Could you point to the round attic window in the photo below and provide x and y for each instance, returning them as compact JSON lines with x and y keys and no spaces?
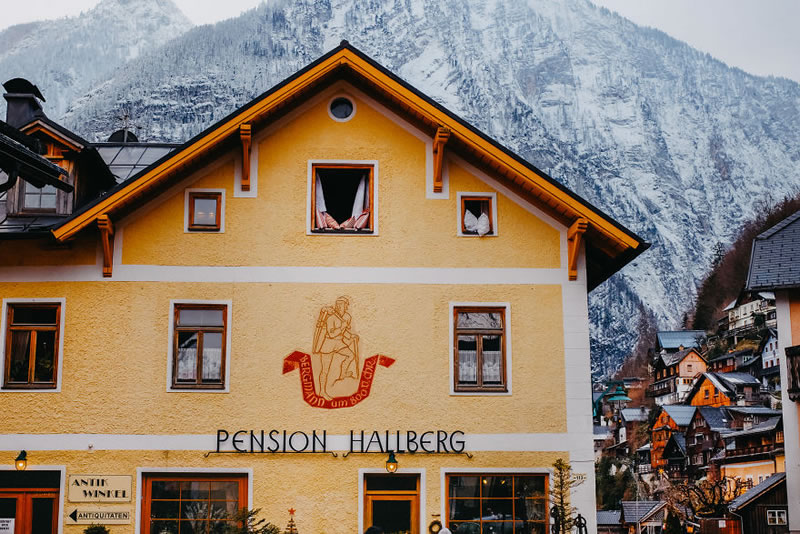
{"x":341,"y":108}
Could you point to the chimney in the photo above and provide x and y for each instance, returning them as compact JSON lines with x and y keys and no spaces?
{"x":23,"y":102}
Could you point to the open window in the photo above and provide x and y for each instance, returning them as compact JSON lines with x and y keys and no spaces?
{"x":342,"y":199}
{"x":477,"y":214}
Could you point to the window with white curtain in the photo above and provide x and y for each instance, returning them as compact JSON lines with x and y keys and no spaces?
{"x":198,"y":360}
{"x":342,"y":199}
{"x":480,"y":349}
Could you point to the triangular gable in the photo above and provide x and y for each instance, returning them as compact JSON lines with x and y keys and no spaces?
{"x":609,"y":245}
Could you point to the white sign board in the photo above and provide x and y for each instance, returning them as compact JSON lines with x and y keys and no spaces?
{"x":6,"y":526}
{"x":99,"y":488}
{"x":99,"y":515}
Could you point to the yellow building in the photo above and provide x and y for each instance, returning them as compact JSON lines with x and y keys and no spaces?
{"x":379,"y":280}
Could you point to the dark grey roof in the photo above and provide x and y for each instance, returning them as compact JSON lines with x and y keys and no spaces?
{"x":127,"y":159}
{"x":754,"y":410}
{"x":773,"y":259}
{"x":608,"y":517}
{"x":16,"y":153}
{"x":746,"y":497}
{"x":767,"y":426}
{"x":672,"y":358}
{"x":682,"y":415}
{"x":633,"y":511}
{"x":599,"y":430}
{"x":680,"y":441}
{"x":678,"y":338}
{"x":635,"y":414}
{"x":716,"y":418}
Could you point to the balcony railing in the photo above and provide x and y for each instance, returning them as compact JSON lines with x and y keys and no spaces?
{"x":663,"y":387}
{"x":752,"y":451}
{"x":793,"y":366}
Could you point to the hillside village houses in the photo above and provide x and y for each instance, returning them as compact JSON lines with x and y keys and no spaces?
{"x":726,"y":417}
{"x":341,"y":300}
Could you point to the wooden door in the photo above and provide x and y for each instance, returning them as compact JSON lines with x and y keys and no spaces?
{"x":34,"y":511}
{"x":392,"y":502}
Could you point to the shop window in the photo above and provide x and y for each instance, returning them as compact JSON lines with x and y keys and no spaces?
{"x":479,"y":349}
{"x":32,"y":345}
{"x":509,"y":503}
{"x":343,"y":199}
{"x":204,"y":211}
{"x":199,"y":346}
{"x":777,"y":517}
{"x":477,"y":214}
{"x":175,"y":503}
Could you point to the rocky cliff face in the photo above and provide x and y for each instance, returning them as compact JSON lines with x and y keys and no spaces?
{"x":68,"y":56}
{"x":674,"y":144}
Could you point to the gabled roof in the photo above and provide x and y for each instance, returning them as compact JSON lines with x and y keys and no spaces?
{"x":773,"y":258}
{"x":756,"y":491}
{"x":727,"y":383}
{"x":673,"y":358}
{"x":680,"y":338}
{"x":677,"y":443}
{"x":635,"y":414}
{"x":608,"y":517}
{"x":682,"y":415}
{"x":17,"y":155}
{"x":716,"y":418}
{"x":609,"y":245}
{"x":753,"y":410}
{"x":640,"y":511}
{"x":762,"y":428}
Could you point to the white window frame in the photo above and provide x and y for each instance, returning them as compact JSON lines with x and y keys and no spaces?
{"x":186,"y":210}
{"x":460,"y":217}
{"x":506,"y":333}
{"x":171,"y":345}
{"x":341,"y":95}
{"x":140,"y":471}
{"x":403,"y":471}
{"x":4,"y":326}
{"x":779,"y":514}
{"x":375,"y":201}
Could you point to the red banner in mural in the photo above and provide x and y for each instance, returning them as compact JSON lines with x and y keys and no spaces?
{"x":302,"y":361}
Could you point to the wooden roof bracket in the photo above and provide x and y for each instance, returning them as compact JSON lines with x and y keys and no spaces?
{"x":439,"y":140}
{"x":107,"y":240}
{"x":245,"y":133}
{"x":574,"y":237}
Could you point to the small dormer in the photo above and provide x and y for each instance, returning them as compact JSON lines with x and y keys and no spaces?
{"x":86,"y":175}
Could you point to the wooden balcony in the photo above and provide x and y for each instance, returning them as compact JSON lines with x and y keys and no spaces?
{"x":662,"y":387}
{"x":793,"y":366}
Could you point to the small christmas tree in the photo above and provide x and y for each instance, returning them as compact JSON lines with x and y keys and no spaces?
{"x":563,"y":482}
{"x":291,"y":528}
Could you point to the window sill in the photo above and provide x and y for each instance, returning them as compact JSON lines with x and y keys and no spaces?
{"x":36,"y":388}
{"x":344,"y":231}
{"x":204,"y":229}
{"x":198,"y":389}
{"x":480,"y":392}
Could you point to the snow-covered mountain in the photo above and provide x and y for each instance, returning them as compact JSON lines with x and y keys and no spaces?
{"x":68,"y":56}
{"x":673,"y":143}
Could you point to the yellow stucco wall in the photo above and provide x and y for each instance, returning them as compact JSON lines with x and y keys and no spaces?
{"x":271,"y":229}
{"x":116,"y":333}
{"x":747,"y":469}
{"x":116,"y":340}
{"x":323,"y":489}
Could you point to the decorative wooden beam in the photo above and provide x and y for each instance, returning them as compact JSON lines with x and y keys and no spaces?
{"x":574,"y":236}
{"x":245,"y":135}
{"x":442,"y":135}
{"x":107,"y":240}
